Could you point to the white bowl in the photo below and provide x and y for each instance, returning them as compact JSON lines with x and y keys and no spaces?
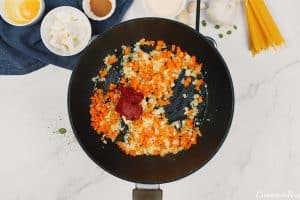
{"x":158,"y":10}
{"x":48,"y":22}
{"x":34,"y":20}
{"x":87,"y":9}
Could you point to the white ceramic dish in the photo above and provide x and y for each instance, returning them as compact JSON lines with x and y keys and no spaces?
{"x":34,"y":20}
{"x":87,"y":9}
{"x":156,"y":7}
{"x":48,"y":22}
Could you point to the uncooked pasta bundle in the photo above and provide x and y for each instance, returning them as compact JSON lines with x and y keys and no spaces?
{"x":263,"y":31}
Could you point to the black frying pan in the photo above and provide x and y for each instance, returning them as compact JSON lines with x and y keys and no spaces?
{"x":152,"y":169}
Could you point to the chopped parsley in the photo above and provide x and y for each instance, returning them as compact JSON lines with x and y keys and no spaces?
{"x":229,"y":32}
{"x":62,"y":131}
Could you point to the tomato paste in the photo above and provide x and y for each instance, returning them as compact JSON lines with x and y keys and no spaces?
{"x":129,"y":103}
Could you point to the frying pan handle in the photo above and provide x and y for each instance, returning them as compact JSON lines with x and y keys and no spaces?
{"x":147,"y":192}
{"x":198,"y":15}
{"x":209,"y":39}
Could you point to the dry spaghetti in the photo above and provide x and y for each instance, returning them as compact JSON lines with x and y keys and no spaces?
{"x":263,"y":32}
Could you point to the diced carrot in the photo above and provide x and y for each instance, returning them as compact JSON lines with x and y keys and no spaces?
{"x":194,"y":59}
{"x":190,"y":123}
{"x":112,"y":59}
{"x":187,"y":81}
{"x":103,"y":73}
{"x":135,"y":67}
{"x":122,"y":80}
{"x":142,"y":41}
{"x":199,"y":83}
{"x":128,"y":64}
{"x":170,"y":64}
{"x":147,"y":42}
{"x":161,"y":43}
{"x":158,"y":48}
{"x":173,"y":47}
{"x":151,"y":42}
{"x":112,"y":86}
{"x":134,"y":82}
{"x":178,"y":50}
{"x":190,"y":112}
{"x":127,"y":50}
{"x":132,"y":153}
{"x":104,"y":127}
{"x":178,"y":64}
{"x":200,"y":99}
{"x":156,"y":152}
{"x":163,"y":102}
{"x":140,"y":54}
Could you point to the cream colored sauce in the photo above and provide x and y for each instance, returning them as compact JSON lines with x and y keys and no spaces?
{"x":164,"y":8}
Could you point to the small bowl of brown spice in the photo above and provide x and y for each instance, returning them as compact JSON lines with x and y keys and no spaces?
{"x":99,"y":10}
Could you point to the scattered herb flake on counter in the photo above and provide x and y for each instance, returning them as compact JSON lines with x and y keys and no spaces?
{"x":203,"y":22}
{"x":235,"y":27}
{"x":221,"y":35}
{"x":229,"y":32}
{"x":62,"y":131}
{"x":217,"y":26}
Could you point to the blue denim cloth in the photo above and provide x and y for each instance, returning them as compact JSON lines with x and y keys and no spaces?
{"x":22,"y":50}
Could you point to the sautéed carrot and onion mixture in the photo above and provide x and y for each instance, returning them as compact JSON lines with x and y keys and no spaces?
{"x":139,"y":93}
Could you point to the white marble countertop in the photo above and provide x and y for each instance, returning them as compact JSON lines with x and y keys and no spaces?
{"x":260,"y":158}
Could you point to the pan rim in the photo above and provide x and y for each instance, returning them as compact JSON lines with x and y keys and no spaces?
{"x":133,"y":180}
